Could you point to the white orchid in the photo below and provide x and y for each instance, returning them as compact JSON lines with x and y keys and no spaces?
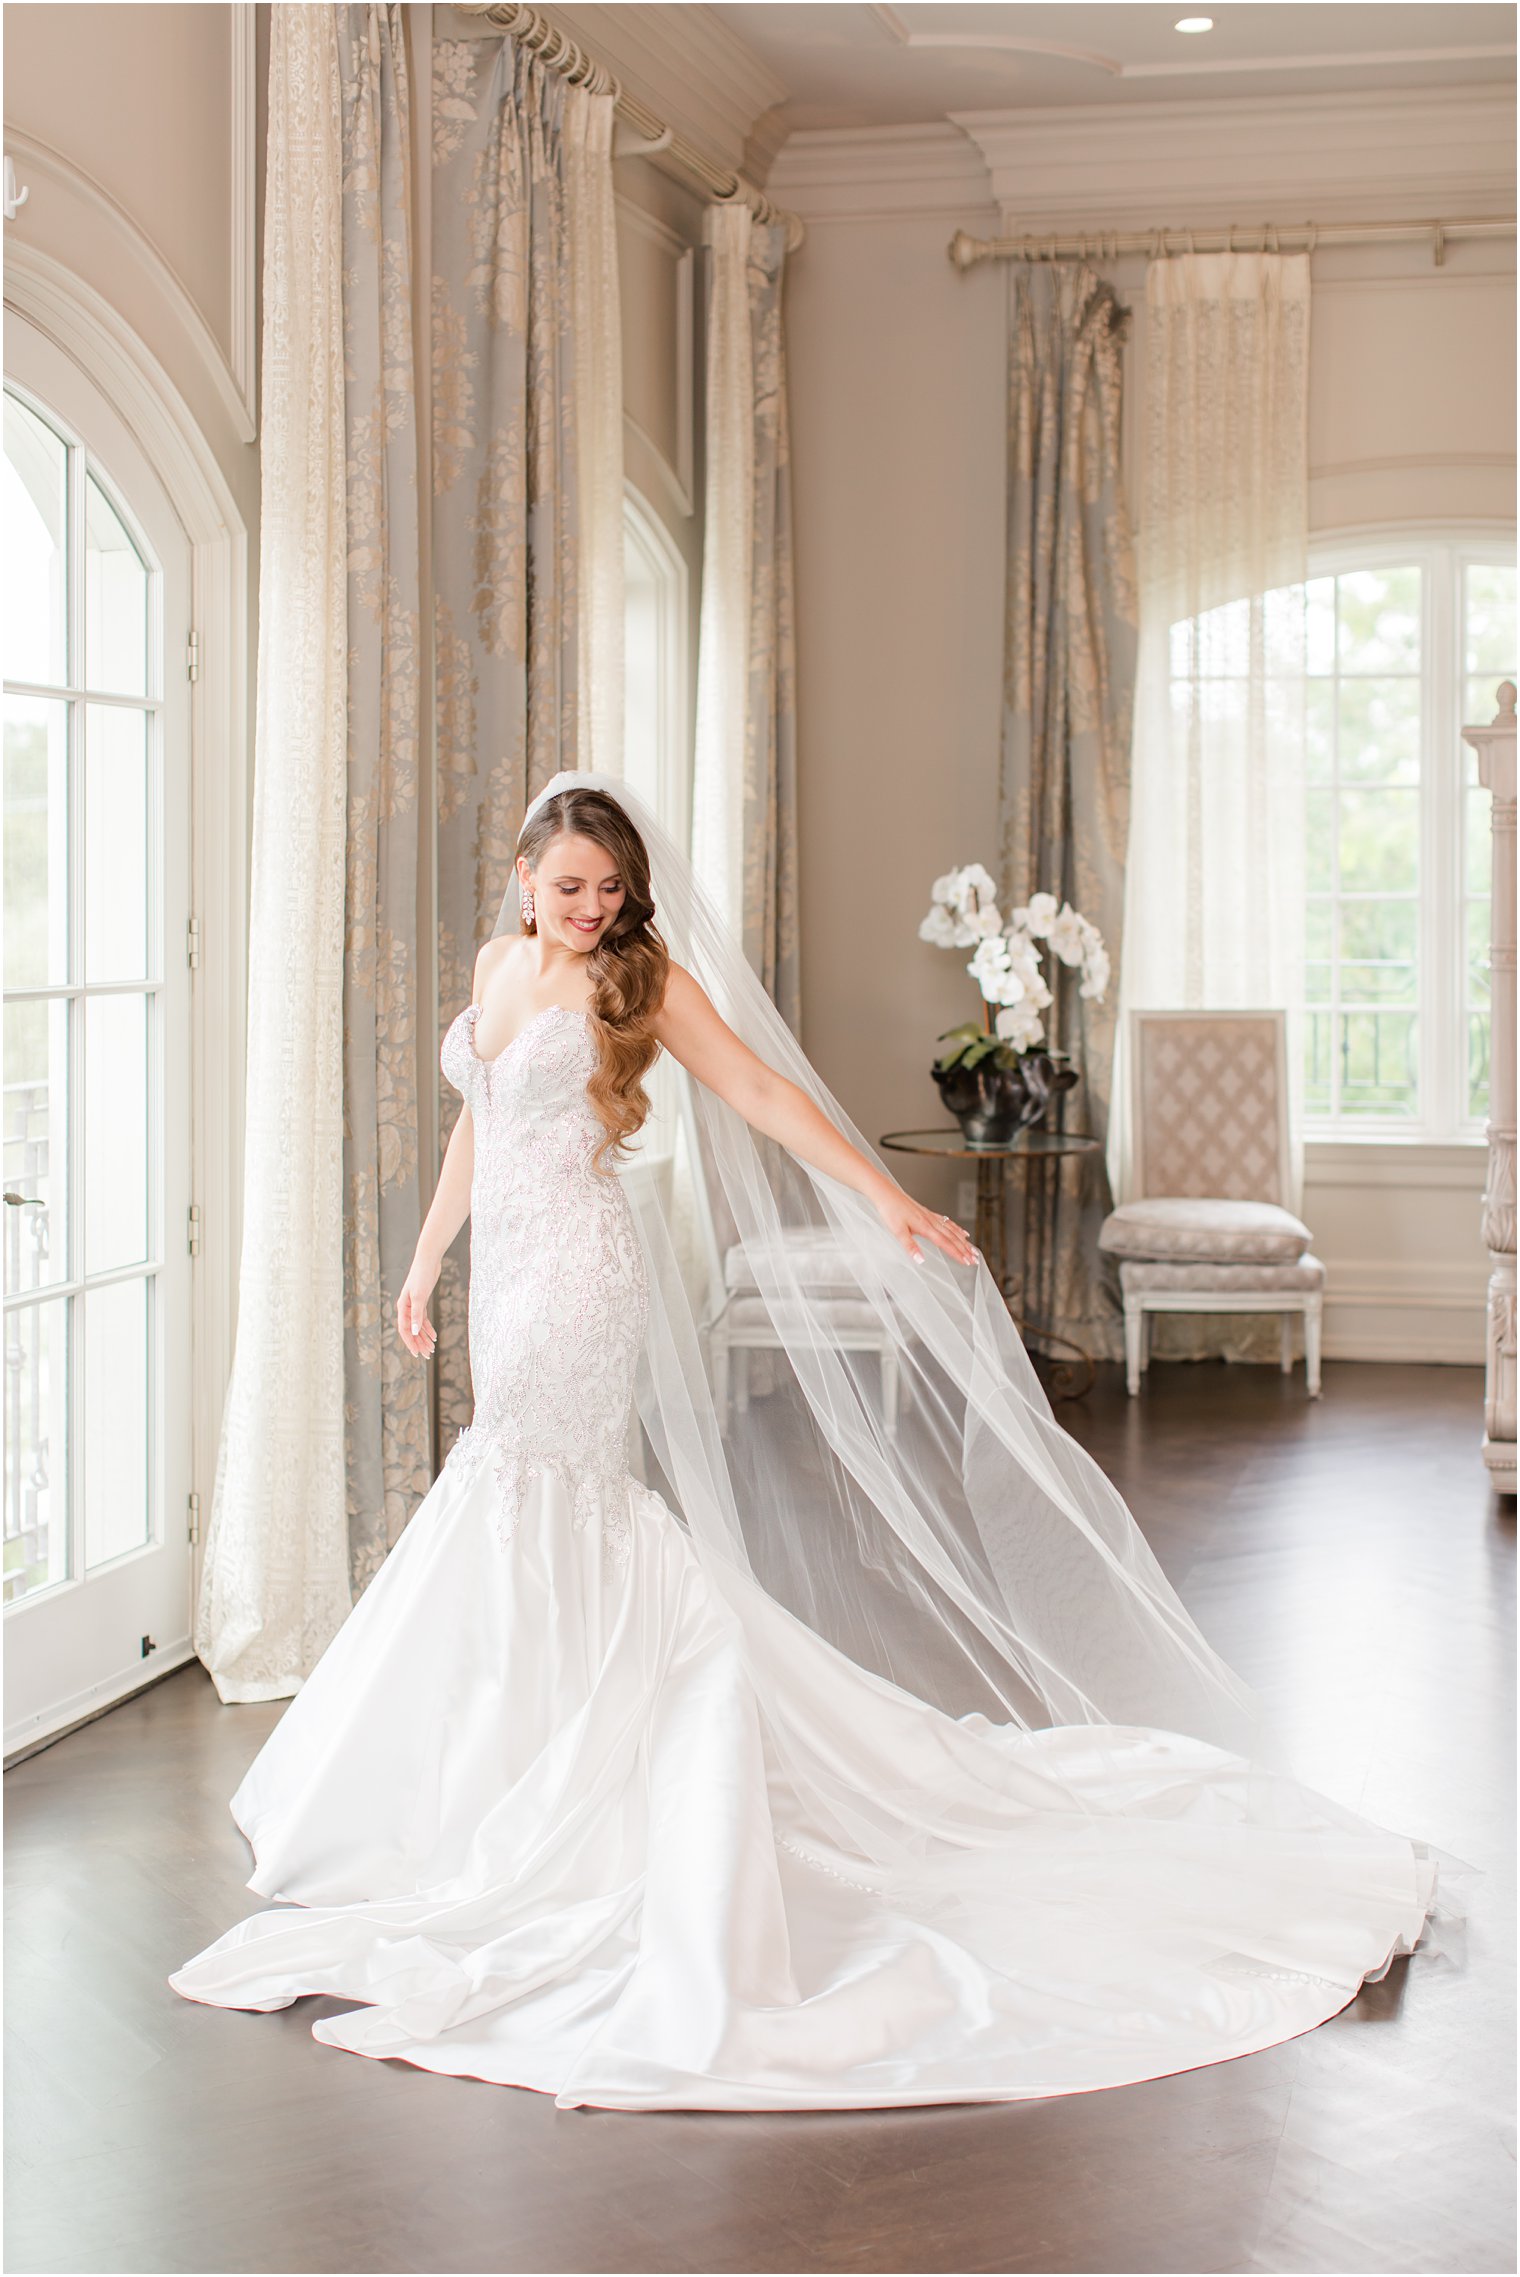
{"x":1067,"y":938}
{"x":1038,"y":916}
{"x":1007,"y":964}
{"x":1021,"y":1027}
{"x":992,"y":968}
{"x":963,"y":909}
{"x":940,"y":928}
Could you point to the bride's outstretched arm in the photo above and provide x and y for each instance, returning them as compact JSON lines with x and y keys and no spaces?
{"x":693,"y":1031}
{"x":447,"y":1212}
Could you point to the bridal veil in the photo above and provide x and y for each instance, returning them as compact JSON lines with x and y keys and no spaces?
{"x":897,"y":1491}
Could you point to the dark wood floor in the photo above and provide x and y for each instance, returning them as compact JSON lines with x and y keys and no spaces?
{"x":1349,"y":1559}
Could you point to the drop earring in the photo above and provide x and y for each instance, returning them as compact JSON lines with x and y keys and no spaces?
{"x":527,"y":905}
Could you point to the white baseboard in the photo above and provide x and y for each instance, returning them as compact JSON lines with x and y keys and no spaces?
{"x":28,"y":1733}
{"x":1397,"y":1309}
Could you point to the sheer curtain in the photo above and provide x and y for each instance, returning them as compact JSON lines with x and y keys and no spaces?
{"x":274,"y":1580}
{"x":395,"y":753}
{"x":744,"y":792}
{"x":1214,"y":894}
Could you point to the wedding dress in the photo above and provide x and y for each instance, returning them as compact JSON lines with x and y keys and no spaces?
{"x":587,"y":1795}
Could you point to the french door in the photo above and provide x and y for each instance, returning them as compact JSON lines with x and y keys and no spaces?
{"x":97,"y":1225}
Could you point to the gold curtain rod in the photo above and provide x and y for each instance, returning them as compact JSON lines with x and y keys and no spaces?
{"x":1301,"y":236}
{"x":558,"y":52}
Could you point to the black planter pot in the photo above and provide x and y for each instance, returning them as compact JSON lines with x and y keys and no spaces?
{"x":992,"y":1104}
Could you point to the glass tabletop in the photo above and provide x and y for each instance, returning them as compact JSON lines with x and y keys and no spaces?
{"x":953,"y":1140}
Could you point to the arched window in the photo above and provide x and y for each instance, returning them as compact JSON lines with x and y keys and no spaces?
{"x":656,"y":722}
{"x":97,"y":1053}
{"x":1407,"y":640}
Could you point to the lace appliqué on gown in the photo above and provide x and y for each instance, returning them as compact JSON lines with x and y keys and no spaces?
{"x":558,"y":1295}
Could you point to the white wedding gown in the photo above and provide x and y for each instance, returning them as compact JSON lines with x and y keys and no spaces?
{"x":528,"y":1812}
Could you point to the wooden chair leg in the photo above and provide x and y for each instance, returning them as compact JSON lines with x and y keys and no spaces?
{"x":1287,"y":1344}
{"x":1313,"y":1321}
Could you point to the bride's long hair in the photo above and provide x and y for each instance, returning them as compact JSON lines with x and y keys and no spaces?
{"x":628,"y":966}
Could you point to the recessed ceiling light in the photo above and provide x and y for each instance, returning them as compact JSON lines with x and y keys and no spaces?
{"x":1194,"y":24}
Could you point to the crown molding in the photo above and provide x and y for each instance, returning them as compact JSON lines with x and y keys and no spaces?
{"x":687,"y":64}
{"x":1423,"y":154}
{"x":875,"y":173}
{"x":135,"y":249}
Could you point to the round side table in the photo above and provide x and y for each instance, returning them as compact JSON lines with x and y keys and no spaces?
{"x":1071,"y":1378}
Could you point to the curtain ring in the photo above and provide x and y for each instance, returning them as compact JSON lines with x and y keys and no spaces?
{"x":1155,"y":252}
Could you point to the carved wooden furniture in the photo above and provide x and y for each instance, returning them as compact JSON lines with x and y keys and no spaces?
{"x":1495,"y":747}
{"x":1207,"y":1228}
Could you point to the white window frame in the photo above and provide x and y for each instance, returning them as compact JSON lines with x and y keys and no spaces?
{"x":655,"y":546}
{"x":61,"y":333}
{"x":1441,"y":551}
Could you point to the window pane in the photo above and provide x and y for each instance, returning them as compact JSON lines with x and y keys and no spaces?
{"x":1319,"y":936}
{"x":35,"y":506}
{"x":1477,"y":1065}
{"x":1380,"y":731}
{"x":115,"y":1134}
{"x":1477,"y":951}
{"x":1377,"y":1054}
{"x":115,"y":843}
{"x":1319,"y":594}
{"x":1489,"y":643}
{"x":1479,"y":828}
{"x":36,"y":1447}
{"x":116,"y":1508}
{"x":1379,"y":620}
{"x":1317,"y":1064}
{"x":1319,"y":854}
{"x":1379,"y":841}
{"x":1480,"y":708}
{"x":36,"y":843}
{"x":115,"y":601}
{"x":36,"y":1144}
{"x":1378,"y":946}
{"x":1319,"y":731}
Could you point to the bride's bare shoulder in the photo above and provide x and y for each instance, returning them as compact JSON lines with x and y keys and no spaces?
{"x":683,"y":991}
{"x":494,"y":956}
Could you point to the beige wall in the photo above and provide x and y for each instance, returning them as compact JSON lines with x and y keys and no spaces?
{"x":896,"y":366}
{"x":139,"y":96}
{"x":135,"y":195}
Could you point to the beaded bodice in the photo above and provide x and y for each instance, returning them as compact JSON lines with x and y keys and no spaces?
{"x":558,"y":1295}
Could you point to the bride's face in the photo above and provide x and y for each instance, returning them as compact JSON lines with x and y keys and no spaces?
{"x":577,"y":891}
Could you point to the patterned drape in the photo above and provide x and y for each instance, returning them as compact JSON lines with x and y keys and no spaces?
{"x":1068,"y":692}
{"x":506,"y":624}
{"x":389,"y":1442}
{"x":744,"y":820}
{"x":390,"y":781}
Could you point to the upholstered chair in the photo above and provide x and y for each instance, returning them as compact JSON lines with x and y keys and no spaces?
{"x":1207,"y":1228}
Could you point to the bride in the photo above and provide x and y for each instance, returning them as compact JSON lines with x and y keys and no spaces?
{"x":827,"y":1742}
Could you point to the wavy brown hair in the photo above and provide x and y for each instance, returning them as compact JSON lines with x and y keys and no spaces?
{"x":628,"y":964}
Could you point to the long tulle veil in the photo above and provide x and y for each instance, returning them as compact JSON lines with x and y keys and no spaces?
{"x":884,"y":1480}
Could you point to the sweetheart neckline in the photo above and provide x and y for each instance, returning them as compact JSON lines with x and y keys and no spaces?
{"x":576,"y":1011}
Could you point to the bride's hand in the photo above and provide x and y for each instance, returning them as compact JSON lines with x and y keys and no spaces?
{"x":909,"y":1222}
{"x":416,"y":1330}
